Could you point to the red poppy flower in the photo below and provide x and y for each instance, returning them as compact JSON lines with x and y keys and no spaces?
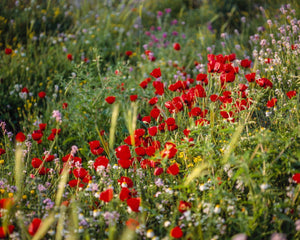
{"x":25,"y":90}
{"x":51,"y":137}
{"x":202,"y":78}
{"x":162,"y":127}
{"x":43,"y":170}
{"x":246,"y":63}
{"x":20,"y":137}
{"x":214,"y":97}
{"x":159,"y":87}
{"x":176,"y":232}
{"x":139,"y":132}
{"x":95,"y":147}
{"x":150,"y":151}
{"x":127,"y":180}
{"x":80,"y":173}
{"x":143,"y":84}
{"x":87,"y":178}
{"x":152,"y":131}
{"x":42,"y":126}
{"x":218,"y":67}
{"x":133,"y":98}
{"x":123,"y":152}
{"x":250,"y":77}
{"x":231,"y":57}
{"x":264,"y":82}
{"x":49,"y":158}
{"x":77,"y":160}
{"x":156,"y":73}
{"x":125,"y":163}
{"x":70,"y":57}
{"x":291,"y":94}
{"x":242,"y":87}
{"x":124,"y":194}
{"x":203,"y":113}
{"x":227,"y":93}
{"x":145,"y":164}
{"x":225,"y":99}
{"x":199,"y":91}
{"x":34,"y":226}
{"x":155,"y":112}
{"x":170,"y":121}
{"x":153,"y":101}
{"x":147,"y":52}
{"x":176,"y":46}
{"x":169,"y":151}
{"x":110,"y":99}
{"x":5,"y":231}
{"x":211,"y":66}
{"x":8,"y":51}
{"x":296,"y":177}
{"x":101,"y":161}
{"x":37,"y":135}
{"x":195,"y":112}
{"x":173,"y":169}
{"x":65,"y":105}
{"x":293,"y":47}
{"x":220,"y":58}
{"x":68,"y":157}
{"x":272,"y":102}
{"x":227,"y":77}
{"x":53,"y":133}
{"x":140,"y":151}
{"x":107,"y":195}
{"x":226,"y":114}
{"x":94,"y":144}
{"x":211,"y":57}
{"x":178,"y":86}
{"x":42,"y":94}
{"x":134,"y":204}
{"x":6,"y":203}
{"x":128,"y":53}
{"x":36,"y":162}
{"x":74,"y":183}
{"x":268,"y":60}
{"x":132,"y":224}
{"x":158,"y":171}
{"x":146,"y":119}
{"x":183,"y":206}
{"x":2,"y":151}
{"x":186,"y":132}
{"x":132,"y":140}
{"x":172,"y":127}
{"x":201,"y":122}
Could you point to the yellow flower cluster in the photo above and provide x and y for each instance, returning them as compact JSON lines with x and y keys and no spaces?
{"x":197,"y":159}
{"x":190,"y":165}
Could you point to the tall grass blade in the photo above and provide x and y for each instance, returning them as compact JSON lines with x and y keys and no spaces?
{"x":233,"y":143}
{"x":73,"y":218}
{"x":19,"y":173}
{"x":60,"y":224}
{"x":113,"y":126}
{"x":198,"y":171}
{"x":62,"y":184}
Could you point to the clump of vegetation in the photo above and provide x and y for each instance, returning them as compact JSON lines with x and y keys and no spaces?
{"x":123,"y":121}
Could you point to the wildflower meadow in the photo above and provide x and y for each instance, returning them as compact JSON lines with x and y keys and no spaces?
{"x":159,"y":120}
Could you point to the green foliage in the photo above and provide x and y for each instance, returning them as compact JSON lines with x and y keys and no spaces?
{"x":235,"y":172}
